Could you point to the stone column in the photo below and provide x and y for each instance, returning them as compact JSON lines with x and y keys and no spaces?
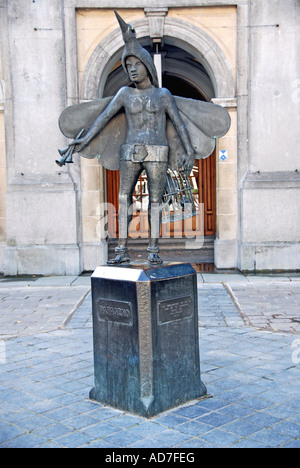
{"x":226,"y":252}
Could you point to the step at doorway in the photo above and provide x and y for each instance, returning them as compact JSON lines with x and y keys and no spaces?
{"x":171,"y":251}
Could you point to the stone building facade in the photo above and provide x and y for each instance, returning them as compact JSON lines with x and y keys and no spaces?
{"x":241,"y":54}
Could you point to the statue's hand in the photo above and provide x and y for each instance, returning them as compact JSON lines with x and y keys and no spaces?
{"x":182,"y":162}
{"x":187,"y":162}
{"x":79,"y":144}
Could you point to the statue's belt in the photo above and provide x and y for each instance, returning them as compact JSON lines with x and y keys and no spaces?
{"x":144,"y":153}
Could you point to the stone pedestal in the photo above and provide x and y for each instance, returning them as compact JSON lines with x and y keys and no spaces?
{"x":146,"y":344}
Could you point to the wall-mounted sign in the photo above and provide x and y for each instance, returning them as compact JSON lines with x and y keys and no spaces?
{"x":223,"y":155}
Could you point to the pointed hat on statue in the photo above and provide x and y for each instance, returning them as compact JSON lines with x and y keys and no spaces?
{"x":133,"y":48}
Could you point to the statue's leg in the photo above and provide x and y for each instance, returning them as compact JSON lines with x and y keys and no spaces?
{"x":157,"y":174}
{"x":129,"y":174}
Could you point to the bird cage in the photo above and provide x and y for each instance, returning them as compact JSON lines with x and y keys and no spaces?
{"x":178,"y":201}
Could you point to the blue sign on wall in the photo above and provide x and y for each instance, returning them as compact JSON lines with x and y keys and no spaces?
{"x":223,"y":154}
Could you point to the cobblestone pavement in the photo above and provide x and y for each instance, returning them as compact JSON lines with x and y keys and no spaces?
{"x":250,"y":363}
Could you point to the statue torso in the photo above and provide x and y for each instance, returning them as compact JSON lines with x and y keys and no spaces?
{"x":146,"y":116}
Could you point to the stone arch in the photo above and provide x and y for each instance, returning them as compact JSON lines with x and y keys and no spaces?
{"x":206,"y":50}
{"x":105,"y":56}
{"x":196,"y":42}
{"x":177,"y":63}
{"x":176,"y":32}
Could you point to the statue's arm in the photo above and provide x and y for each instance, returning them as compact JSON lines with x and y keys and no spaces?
{"x":111,"y":110}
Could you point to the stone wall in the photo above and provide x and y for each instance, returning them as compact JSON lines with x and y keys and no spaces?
{"x":41,"y":202}
{"x":2,"y":168}
{"x":270,"y":198}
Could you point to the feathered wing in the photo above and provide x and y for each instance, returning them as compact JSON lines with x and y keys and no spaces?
{"x":106,"y":145}
{"x":213,"y":120}
{"x":202,"y":144}
{"x":204,"y":122}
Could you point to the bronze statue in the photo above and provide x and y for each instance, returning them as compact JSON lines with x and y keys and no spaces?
{"x":159,"y":131}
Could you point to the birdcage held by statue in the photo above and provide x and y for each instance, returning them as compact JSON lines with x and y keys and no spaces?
{"x":178,"y":201}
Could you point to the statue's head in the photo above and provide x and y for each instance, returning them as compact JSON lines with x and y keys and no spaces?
{"x":136,"y":70}
{"x":134,"y":49}
{"x":147,"y":63}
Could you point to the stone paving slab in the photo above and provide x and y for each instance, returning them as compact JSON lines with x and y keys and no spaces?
{"x":26,"y":311}
{"x":239,"y":277}
{"x":271,"y":306}
{"x":43,"y":281}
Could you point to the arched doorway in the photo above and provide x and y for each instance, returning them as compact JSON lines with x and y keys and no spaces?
{"x":184,"y":76}
{"x":218,"y":62}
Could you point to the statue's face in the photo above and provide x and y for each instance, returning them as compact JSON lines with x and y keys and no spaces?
{"x":136,"y":70}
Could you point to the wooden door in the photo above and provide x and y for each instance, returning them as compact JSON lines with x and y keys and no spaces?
{"x":207,"y":192}
{"x":203,"y":179}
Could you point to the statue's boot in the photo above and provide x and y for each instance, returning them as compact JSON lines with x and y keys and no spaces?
{"x":121,"y":256}
{"x":153,"y":257}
